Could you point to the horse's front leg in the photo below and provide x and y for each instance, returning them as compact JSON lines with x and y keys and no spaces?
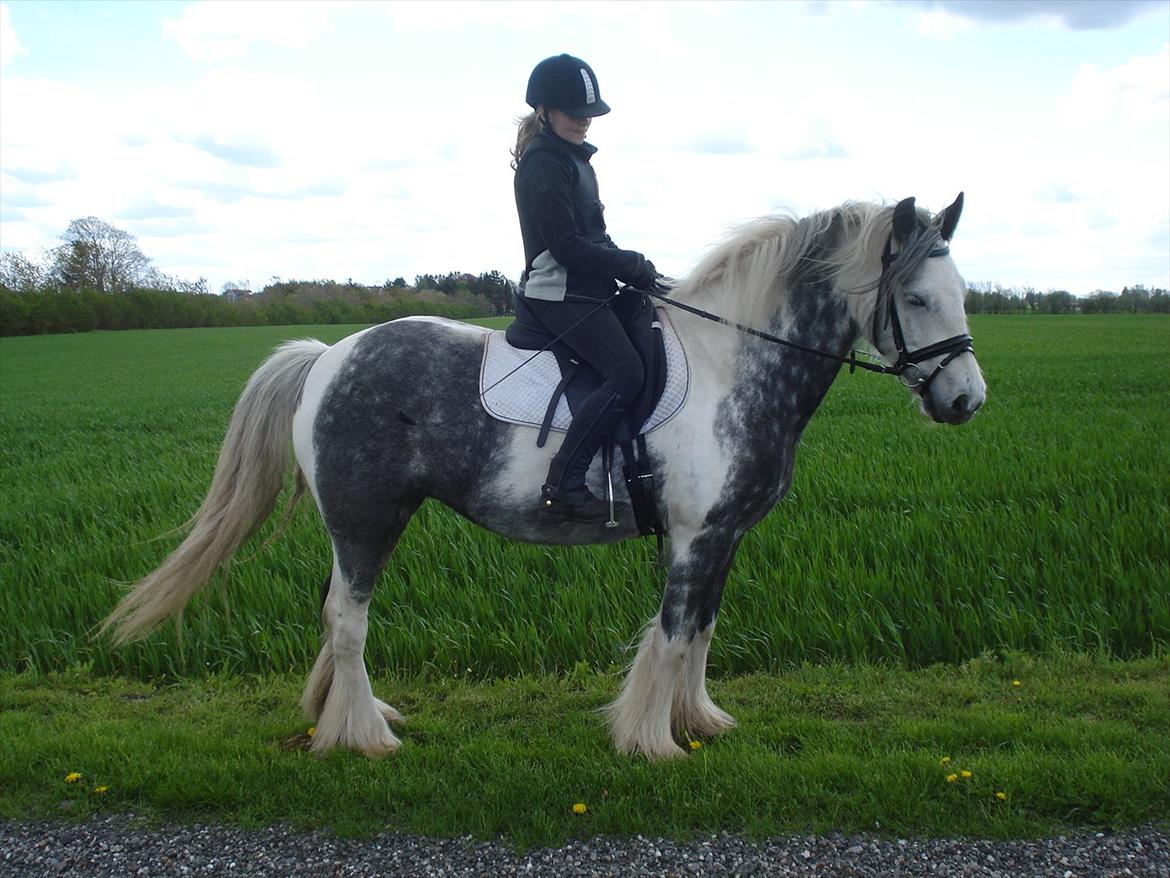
{"x":693,"y":713}
{"x":665,"y":692}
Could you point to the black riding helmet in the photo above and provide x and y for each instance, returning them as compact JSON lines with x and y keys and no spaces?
{"x":565,"y":83}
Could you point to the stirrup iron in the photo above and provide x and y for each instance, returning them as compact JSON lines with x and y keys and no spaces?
{"x":607,"y":465}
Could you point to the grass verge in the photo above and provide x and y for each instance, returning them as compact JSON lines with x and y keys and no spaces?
{"x":1077,"y":743}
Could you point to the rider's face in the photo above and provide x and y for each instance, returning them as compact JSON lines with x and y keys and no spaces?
{"x":568,"y":127}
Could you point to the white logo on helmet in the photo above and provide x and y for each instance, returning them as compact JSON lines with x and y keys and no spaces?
{"x":590,"y":94}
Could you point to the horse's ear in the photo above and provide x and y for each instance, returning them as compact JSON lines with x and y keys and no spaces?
{"x":905,"y":220}
{"x":949,"y":218}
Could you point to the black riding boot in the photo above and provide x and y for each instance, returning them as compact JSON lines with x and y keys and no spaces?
{"x":564,"y":496}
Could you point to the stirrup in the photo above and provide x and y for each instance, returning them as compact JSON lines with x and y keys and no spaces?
{"x":578,"y":506}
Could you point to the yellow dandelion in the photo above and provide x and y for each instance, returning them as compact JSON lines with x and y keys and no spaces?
{"x":945,"y":760}
{"x":1016,"y":683}
{"x":312,"y":731}
{"x":964,"y":774}
{"x":951,"y":778}
{"x":72,"y":777}
{"x":101,"y":790}
{"x":695,"y":745}
{"x":1002,"y":796}
{"x":579,"y":808}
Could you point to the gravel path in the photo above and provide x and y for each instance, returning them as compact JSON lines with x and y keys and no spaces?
{"x":124,"y":846}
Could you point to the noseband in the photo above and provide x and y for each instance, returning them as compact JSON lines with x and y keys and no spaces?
{"x":906,"y":367}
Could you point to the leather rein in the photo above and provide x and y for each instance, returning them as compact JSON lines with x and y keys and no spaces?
{"x":905,"y":368}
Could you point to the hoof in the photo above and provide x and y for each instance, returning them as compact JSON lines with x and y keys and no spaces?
{"x":706,"y":725}
{"x":372,"y":745}
{"x":662,"y":755}
{"x":654,"y":751}
{"x":377,"y":750}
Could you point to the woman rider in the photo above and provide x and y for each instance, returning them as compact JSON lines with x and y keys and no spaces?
{"x":570,"y":266}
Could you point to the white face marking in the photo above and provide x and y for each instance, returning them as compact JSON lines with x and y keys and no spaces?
{"x":940,"y":289}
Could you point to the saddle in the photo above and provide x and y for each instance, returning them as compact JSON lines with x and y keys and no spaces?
{"x":545,"y":391}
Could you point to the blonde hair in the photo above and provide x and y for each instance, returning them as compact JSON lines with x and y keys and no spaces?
{"x":527,"y":127}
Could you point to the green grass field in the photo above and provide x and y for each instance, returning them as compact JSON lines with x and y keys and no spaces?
{"x":873,"y":627}
{"x":1040,"y":526}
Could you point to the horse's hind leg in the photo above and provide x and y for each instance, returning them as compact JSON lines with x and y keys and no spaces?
{"x":338,"y":696}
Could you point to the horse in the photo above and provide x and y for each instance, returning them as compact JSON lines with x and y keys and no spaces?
{"x":391,"y":415}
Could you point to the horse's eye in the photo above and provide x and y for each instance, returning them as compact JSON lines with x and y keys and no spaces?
{"x":915,"y":301}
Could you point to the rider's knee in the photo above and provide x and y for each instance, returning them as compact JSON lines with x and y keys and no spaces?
{"x":628,"y":383}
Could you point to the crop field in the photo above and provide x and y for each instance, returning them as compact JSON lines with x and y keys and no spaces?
{"x":1041,"y":527}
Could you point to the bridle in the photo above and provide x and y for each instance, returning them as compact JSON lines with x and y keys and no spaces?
{"x":905,"y":368}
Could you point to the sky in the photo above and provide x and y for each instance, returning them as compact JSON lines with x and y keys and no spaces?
{"x":246,"y":141}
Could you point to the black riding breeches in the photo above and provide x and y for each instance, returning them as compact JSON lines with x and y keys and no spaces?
{"x":601,"y":341}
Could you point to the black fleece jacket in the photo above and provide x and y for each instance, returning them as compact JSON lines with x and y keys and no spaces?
{"x":561,"y":213}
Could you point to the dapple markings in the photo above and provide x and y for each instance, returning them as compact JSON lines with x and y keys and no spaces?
{"x":391,"y":416}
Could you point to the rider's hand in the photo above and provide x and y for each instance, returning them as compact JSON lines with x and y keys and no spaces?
{"x":645,"y":276}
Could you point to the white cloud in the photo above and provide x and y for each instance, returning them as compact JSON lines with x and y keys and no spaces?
{"x":940,"y":22}
{"x":943,"y":16}
{"x":1136,"y":92}
{"x":454,"y":14}
{"x":216,"y":31}
{"x":10,"y":47}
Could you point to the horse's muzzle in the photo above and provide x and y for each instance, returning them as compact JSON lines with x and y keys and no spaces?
{"x":959,"y":409}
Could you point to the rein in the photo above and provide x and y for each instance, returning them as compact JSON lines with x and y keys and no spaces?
{"x":852,"y":360}
{"x":907,"y":362}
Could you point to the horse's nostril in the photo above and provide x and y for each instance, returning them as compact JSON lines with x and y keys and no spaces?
{"x":960,"y":405}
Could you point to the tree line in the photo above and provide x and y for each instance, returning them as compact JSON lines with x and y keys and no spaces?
{"x":98,"y":278}
{"x":992,"y":298}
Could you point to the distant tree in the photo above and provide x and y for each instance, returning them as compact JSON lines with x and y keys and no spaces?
{"x":1031,"y":298}
{"x":399,"y":283}
{"x":1058,"y":302}
{"x":156,"y":280}
{"x":497,"y":289}
{"x":1100,"y":302}
{"x":1134,"y":299}
{"x":99,"y":257}
{"x":20,"y":274}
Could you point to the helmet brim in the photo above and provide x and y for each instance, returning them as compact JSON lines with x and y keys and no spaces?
{"x":597,"y":108}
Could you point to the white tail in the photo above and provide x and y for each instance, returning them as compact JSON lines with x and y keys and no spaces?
{"x":248,"y":477}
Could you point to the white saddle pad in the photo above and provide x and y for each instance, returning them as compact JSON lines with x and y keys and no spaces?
{"x":522,"y":397}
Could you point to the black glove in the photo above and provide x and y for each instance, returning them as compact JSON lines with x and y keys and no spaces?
{"x":645,"y":275}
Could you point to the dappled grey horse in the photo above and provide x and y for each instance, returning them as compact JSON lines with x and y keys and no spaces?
{"x":391,"y":415}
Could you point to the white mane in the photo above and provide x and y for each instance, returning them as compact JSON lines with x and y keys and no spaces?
{"x":746,"y":277}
